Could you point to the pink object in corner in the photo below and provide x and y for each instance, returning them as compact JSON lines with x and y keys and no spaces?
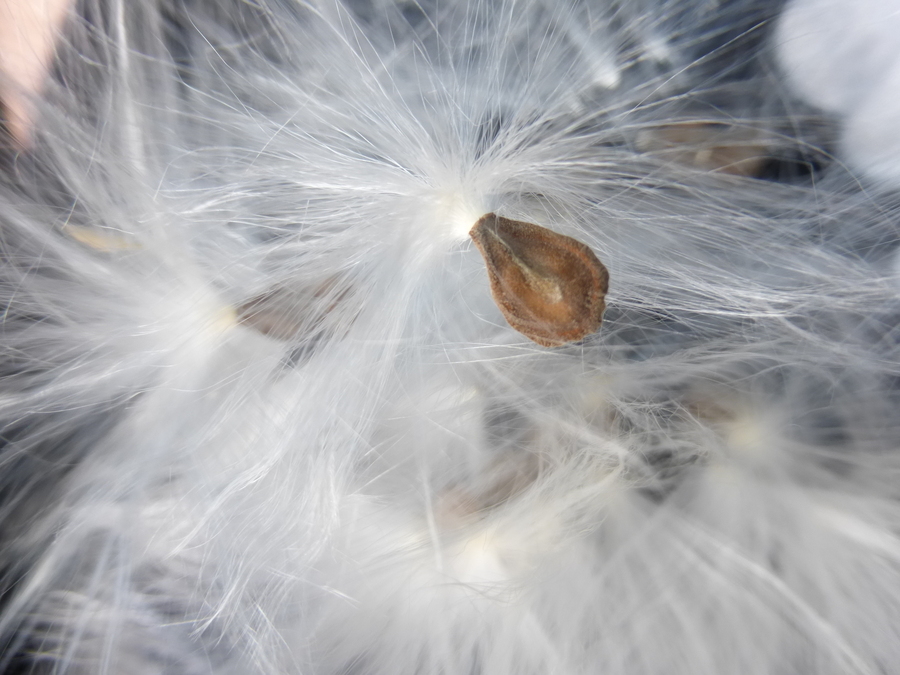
{"x":27,"y":30}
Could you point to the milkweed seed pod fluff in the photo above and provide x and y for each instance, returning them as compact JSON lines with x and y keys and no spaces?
{"x":267,"y":407}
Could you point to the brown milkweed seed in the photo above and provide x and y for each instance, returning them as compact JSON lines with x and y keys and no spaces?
{"x":549,"y":287}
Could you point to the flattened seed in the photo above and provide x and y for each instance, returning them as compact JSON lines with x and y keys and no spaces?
{"x":550,"y":287}
{"x":710,"y":146}
{"x":292,"y":314}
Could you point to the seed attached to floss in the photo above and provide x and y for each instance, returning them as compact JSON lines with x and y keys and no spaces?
{"x":550,"y":287}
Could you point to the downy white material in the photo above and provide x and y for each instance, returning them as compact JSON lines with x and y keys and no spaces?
{"x":844,"y":56}
{"x":261,"y":414}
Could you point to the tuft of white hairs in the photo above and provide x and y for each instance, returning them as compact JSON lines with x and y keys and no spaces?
{"x":262,"y":416}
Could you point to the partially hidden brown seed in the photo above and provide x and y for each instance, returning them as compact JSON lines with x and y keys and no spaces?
{"x":710,"y":146}
{"x":550,"y":287}
{"x":298,"y":314}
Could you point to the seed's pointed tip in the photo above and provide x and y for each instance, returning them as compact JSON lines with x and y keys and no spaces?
{"x":481,"y":223}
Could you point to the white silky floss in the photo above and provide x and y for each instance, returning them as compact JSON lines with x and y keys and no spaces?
{"x":262,"y":415}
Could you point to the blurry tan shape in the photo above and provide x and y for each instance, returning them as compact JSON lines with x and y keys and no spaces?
{"x":104,"y":242}
{"x":550,"y":287}
{"x":27,"y":35}
{"x":709,"y":146}
{"x":290,"y":315}
{"x":505,"y":479}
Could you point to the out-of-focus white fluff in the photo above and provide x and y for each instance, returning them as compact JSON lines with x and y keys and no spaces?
{"x":261,"y":414}
{"x":844,"y":56}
